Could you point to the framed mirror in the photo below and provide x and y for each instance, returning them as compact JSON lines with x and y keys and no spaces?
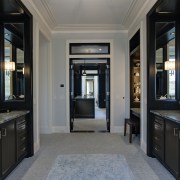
{"x":14,"y":64}
{"x":165,"y":81}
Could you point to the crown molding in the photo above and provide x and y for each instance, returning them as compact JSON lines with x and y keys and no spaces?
{"x":41,"y":11}
{"x":137,"y":13}
{"x":89,"y":27}
{"x":90,"y":31}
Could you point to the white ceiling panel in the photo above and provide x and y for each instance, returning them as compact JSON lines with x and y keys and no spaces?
{"x":81,"y":14}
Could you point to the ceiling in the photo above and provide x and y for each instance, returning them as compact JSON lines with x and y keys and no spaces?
{"x":88,"y":14}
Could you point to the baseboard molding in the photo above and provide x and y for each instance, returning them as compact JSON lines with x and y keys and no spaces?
{"x":117,"y":129}
{"x":60,"y":129}
{"x":45,"y":130}
{"x":144,"y":147}
{"x":36,"y":147}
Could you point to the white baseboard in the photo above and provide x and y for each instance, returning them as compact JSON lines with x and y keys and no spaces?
{"x":45,"y":130}
{"x":144,"y":147}
{"x":60,"y":129}
{"x":36,"y":147}
{"x":117,"y":129}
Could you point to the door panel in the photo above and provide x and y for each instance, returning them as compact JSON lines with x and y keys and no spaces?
{"x":108,"y":96}
{"x":72,"y":102}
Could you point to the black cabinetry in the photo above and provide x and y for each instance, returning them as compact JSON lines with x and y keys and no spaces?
{"x":135,"y":84}
{"x":166,"y":143}
{"x":172,"y":136}
{"x":13,"y":144}
{"x":8,"y":152}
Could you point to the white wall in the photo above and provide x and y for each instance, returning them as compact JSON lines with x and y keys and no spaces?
{"x":43,"y":85}
{"x":140,"y":23}
{"x":60,"y":121}
{"x":39,"y":25}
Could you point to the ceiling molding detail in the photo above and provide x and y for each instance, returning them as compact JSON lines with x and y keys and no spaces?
{"x":48,"y":11}
{"x":88,"y":27}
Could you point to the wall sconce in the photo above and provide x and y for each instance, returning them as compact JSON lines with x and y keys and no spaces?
{"x":170,"y":65}
{"x":9,"y":66}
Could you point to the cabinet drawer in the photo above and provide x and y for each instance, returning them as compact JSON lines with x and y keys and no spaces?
{"x":21,"y":138}
{"x":22,"y":150}
{"x":158,"y":127}
{"x":158,"y":151}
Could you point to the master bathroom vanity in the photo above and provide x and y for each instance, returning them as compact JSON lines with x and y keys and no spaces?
{"x":14,"y":138}
{"x":16,"y":91}
{"x":163,"y":87}
{"x":166,"y":138}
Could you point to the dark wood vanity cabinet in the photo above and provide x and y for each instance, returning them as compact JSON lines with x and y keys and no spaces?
{"x":13,"y":144}
{"x":8,"y":151}
{"x":172,"y":154}
{"x":166,"y":143}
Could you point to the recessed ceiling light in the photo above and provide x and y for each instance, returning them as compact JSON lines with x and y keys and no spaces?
{"x":6,"y":34}
{"x":172,"y":33}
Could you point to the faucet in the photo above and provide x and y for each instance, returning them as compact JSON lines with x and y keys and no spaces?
{"x":12,"y":97}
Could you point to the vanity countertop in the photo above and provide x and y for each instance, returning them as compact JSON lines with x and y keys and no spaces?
{"x":173,"y":115}
{"x":7,"y":116}
{"x":84,"y":97}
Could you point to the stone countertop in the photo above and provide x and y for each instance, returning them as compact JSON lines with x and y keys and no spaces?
{"x":135,"y":111}
{"x":173,"y":115}
{"x":84,"y":97}
{"x":7,"y":116}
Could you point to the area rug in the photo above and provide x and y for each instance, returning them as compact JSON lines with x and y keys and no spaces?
{"x":90,"y":167}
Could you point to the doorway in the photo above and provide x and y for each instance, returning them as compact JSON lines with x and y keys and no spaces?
{"x":89,"y":94}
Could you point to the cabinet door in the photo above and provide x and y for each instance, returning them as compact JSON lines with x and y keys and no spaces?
{"x":8,"y":146}
{"x":172,"y":146}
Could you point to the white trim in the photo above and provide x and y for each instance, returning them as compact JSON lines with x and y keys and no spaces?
{"x":144,"y":147}
{"x":88,"y":31}
{"x":36,"y":147}
{"x":60,"y":129}
{"x":36,"y":85}
{"x":92,"y":56}
{"x":45,"y":130}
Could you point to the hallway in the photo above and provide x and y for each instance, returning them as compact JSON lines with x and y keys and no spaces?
{"x":38,"y":166}
{"x":97,"y":124}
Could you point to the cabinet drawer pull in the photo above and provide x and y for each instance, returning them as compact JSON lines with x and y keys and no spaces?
{"x":0,"y":134}
{"x":175,"y":131}
{"x":156,"y":126}
{"x":156,"y":138}
{"x":4,"y":132}
{"x":179,"y":134}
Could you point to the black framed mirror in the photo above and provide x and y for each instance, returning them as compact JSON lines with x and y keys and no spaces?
{"x":165,"y":81}
{"x":14,"y":81}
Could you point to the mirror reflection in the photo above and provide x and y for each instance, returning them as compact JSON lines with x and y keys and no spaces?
{"x":165,"y":61}
{"x":14,"y":62}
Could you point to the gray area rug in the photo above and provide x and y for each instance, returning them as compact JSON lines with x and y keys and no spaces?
{"x":90,"y":167}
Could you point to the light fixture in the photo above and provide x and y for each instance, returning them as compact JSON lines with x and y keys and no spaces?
{"x":170,"y":65}
{"x":84,"y":70}
{"x":9,"y":66}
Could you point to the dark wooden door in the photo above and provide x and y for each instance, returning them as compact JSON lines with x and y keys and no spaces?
{"x":172,"y":145}
{"x":72,"y":101}
{"x":8,"y":147}
{"x":108,"y":96}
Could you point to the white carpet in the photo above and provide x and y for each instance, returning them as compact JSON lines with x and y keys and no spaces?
{"x":90,"y":167}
